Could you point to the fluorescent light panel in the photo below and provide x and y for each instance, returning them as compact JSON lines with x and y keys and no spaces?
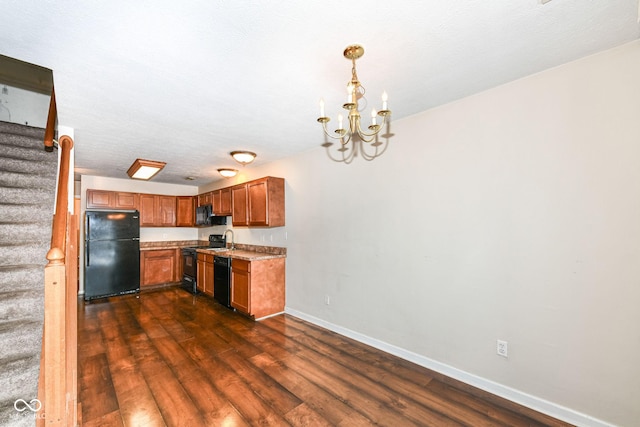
{"x":144,"y":169}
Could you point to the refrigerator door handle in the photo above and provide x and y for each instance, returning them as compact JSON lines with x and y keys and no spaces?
{"x":86,"y":253}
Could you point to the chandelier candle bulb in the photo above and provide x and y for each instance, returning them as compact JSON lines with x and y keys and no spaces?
{"x":385,"y":97}
{"x":339,"y":121}
{"x":351,"y":88}
{"x":322,"y":107}
{"x":373,"y":116}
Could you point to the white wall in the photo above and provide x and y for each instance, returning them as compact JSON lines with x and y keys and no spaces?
{"x":24,"y":106}
{"x":513,"y":214}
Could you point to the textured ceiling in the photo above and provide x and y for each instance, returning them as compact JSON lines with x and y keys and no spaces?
{"x":186,"y":82}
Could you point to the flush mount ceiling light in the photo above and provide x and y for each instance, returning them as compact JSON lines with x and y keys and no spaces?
{"x":243,"y":157}
{"x":355,"y":139}
{"x":227,"y":173}
{"x":144,"y":169}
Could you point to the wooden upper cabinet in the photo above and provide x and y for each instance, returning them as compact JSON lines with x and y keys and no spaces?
{"x":99,"y":199}
{"x":215,"y":202}
{"x":167,"y":211}
{"x":104,"y":199}
{"x":147,"y":203}
{"x":258,"y":203}
{"x":123,"y":200}
{"x":222,"y":202}
{"x":185,"y":211}
{"x":157,"y":211}
{"x":239,"y":202}
{"x":225,"y":202}
{"x":205,"y":199}
{"x":266,"y":202}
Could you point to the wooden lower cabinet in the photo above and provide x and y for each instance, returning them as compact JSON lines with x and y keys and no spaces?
{"x":240,"y":285}
{"x":204,"y":281}
{"x":160,"y":266}
{"x":258,"y":287}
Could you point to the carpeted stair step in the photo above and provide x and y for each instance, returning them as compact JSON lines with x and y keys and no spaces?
{"x":17,"y":132}
{"x":21,"y":212}
{"x":16,"y":336}
{"x":16,"y":303}
{"x":12,"y":231}
{"x":18,"y":277}
{"x":19,"y":355}
{"x":29,"y":150}
{"x":26,"y":167}
{"x":27,"y":195}
{"x":10,"y":179}
{"x":24,"y":252}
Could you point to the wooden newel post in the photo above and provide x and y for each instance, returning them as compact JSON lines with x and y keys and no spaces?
{"x":54,"y":338}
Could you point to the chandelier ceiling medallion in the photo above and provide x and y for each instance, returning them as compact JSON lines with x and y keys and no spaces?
{"x":354,"y":139}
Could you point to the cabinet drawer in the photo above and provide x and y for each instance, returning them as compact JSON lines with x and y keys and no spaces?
{"x":205,"y":257}
{"x":241,"y":265}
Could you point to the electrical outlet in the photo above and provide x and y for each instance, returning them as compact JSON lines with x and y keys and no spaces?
{"x":327,"y":300}
{"x":502,"y":348}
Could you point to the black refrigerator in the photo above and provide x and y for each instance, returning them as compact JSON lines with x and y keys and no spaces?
{"x":111,"y":253}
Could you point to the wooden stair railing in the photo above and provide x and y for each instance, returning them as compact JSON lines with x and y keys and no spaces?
{"x":57,"y":389}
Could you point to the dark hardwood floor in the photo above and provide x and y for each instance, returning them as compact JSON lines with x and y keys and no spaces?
{"x":169,"y":358}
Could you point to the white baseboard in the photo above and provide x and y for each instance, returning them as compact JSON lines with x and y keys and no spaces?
{"x":521,"y":398}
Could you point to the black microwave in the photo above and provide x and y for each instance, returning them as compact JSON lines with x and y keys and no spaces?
{"x":205,"y":217}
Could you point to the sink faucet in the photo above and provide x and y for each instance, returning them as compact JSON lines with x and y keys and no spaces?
{"x":228,"y":230}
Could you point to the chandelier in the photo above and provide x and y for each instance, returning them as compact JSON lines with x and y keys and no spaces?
{"x":354,"y":139}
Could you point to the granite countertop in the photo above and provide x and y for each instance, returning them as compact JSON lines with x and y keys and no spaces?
{"x":247,"y":255}
{"x":241,"y":251}
{"x":174,"y":244}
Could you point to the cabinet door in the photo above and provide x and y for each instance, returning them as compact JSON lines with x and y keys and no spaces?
{"x":185,"y":211}
{"x":147,"y":209}
{"x":179,"y":267}
{"x":239,"y":205}
{"x":208,"y":275}
{"x":258,"y":203}
{"x":241,"y":285}
{"x":200,"y":280}
{"x":225,"y":202}
{"x":99,"y":199}
{"x":166,"y":211}
{"x":157,"y":267}
{"x":204,"y":199}
{"x":122,"y":200}
{"x":215,"y":202}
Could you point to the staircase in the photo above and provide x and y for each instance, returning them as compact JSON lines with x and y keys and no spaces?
{"x":27,"y":193}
